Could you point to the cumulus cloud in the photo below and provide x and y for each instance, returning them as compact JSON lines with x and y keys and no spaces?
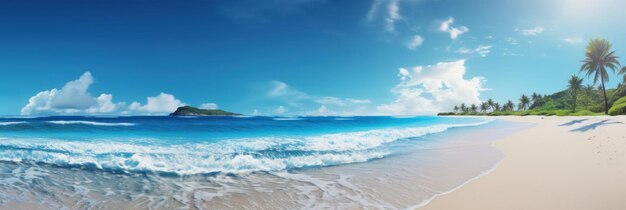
{"x":209,"y":106}
{"x":428,"y":90}
{"x":482,"y":50}
{"x":455,"y":32}
{"x":415,"y":42}
{"x":532,"y":31}
{"x":162,"y":104}
{"x":74,"y":98}
{"x":404,"y":74}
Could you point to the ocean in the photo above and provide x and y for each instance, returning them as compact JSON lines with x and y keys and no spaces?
{"x":163,"y":162}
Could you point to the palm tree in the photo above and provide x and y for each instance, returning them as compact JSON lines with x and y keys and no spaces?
{"x":509,"y":106}
{"x":463,"y":108}
{"x":599,"y":57}
{"x":456,"y":109}
{"x":574,"y":84}
{"x":484,"y":107}
{"x":523,"y":102}
{"x":535,"y":98}
{"x":496,"y":107}
{"x":490,"y":104}
{"x":623,"y":71}
{"x":474,"y":108}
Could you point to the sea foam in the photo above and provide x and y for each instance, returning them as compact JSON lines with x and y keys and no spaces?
{"x":229,"y":155}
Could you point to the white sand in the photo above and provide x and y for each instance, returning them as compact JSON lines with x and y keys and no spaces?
{"x":561,"y":163}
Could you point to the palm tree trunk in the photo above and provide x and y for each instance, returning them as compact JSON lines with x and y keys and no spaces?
{"x":606,"y":100}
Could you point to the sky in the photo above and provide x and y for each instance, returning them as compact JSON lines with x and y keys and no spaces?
{"x":292,"y":57}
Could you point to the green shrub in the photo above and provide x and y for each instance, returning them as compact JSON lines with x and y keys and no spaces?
{"x":619,"y":107}
{"x":617,"y":94}
{"x":597,"y":108}
{"x":585,"y":113}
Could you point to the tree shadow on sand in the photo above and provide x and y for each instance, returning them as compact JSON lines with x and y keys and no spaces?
{"x":573,"y":122}
{"x":593,"y":126}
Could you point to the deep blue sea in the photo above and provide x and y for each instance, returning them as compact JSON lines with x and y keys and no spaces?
{"x":203,"y":145}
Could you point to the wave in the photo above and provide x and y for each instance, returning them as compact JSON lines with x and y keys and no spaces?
{"x":70,"y":122}
{"x":12,"y":123}
{"x":229,"y":156}
{"x":245,"y":116}
{"x":286,"y":118}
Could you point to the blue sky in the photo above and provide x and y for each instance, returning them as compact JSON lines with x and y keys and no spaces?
{"x":283,"y":57}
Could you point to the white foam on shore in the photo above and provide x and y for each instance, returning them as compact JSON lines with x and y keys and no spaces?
{"x":232,"y":155}
{"x":70,"y":122}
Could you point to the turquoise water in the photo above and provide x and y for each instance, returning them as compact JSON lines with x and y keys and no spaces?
{"x":198,"y":145}
{"x":116,"y":162}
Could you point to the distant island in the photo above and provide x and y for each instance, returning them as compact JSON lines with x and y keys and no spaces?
{"x":193,"y":111}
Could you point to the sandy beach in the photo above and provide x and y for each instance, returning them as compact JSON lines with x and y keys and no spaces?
{"x":560,"y":163}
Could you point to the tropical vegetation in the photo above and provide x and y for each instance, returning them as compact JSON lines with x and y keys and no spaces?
{"x":577,"y":100}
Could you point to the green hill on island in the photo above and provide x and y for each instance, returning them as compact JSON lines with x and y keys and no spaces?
{"x":576,"y":100}
{"x":193,"y":111}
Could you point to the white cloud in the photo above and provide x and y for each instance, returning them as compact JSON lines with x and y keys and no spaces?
{"x":297,"y":99}
{"x":294,"y":97}
{"x":404,"y":74}
{"x":373,"y":9}
{"x":482,"y":50}
{"x":455,"y":32}
{"x":393,"y":15}
{"x":464,"y":50}
{"x":532,"y":31}
{"x":74,"y":98}
{"x":162,"y":104}
{"x":323,"y":110}
{"x":280,"y":110}
{"x":282,"y":91}
{"x":415,"y":42}
{"x":209,"y":106}
{"x":71,"y":99}
{"x":432,"y":89}
{"x":573,"y":40}
{"x":105,"y":105}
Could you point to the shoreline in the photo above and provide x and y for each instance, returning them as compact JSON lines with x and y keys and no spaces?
{"x":541,"y":159}
{"x":425,"y":166}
